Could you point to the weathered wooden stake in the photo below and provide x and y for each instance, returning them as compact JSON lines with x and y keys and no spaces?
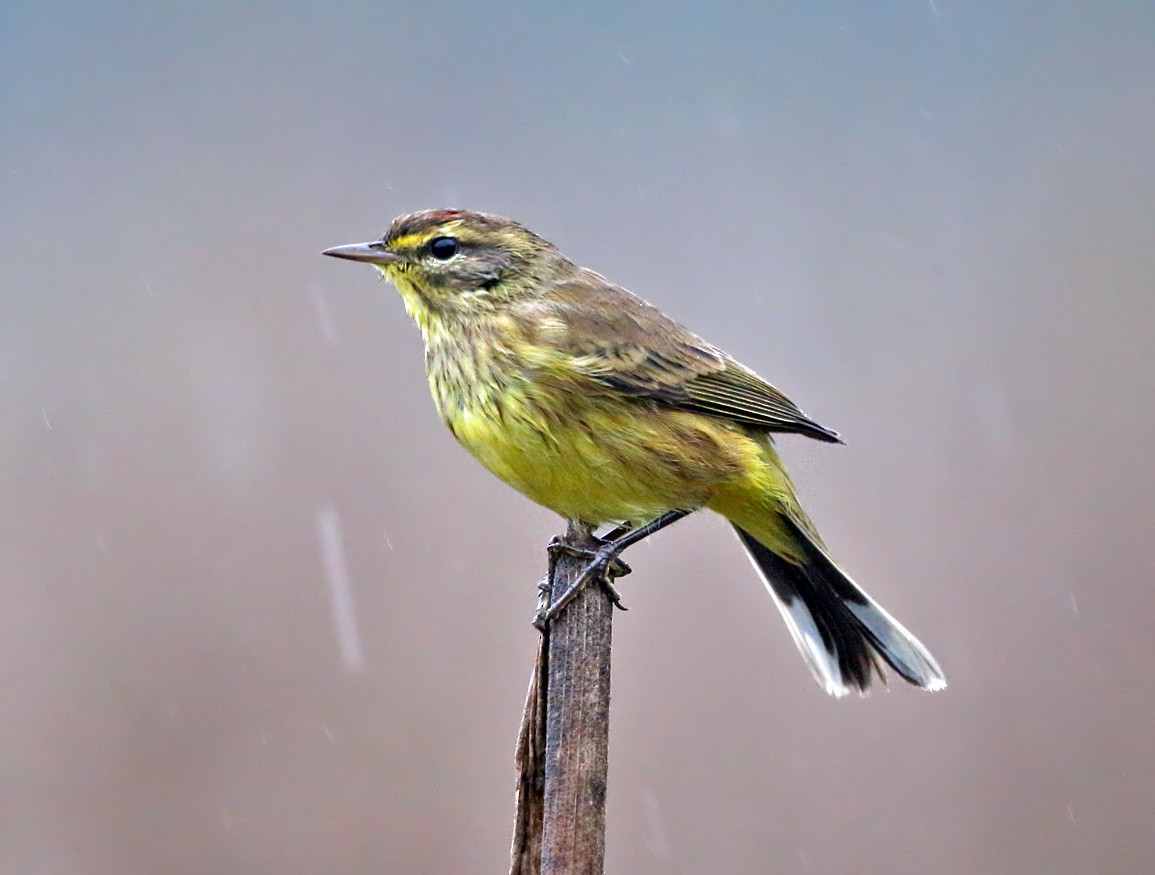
{"x":563,"y":746}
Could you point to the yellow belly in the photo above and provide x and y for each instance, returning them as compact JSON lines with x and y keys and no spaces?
{"x":609,"y":460}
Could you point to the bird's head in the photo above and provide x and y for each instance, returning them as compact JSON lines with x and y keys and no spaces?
{"x":446,"y":261}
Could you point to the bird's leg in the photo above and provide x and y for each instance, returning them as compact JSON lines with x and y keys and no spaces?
{"x":632,"y":536}
{"x":604,"y":565}
{"x":616,"y":532}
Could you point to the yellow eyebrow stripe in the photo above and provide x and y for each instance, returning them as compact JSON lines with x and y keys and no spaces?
{"x":418,"y":238}
{"x":409,"y":241}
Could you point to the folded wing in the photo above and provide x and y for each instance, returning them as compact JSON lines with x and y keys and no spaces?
{"x":625,"y":344}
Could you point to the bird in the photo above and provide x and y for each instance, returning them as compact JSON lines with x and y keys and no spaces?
{"x":598,"y":406}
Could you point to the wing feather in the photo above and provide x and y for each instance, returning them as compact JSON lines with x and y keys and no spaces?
{"x":619,"y":341}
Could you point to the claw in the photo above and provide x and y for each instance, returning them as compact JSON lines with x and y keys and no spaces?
{"x":613,"y":595}
{"x":544,"y":591}
{"x":541,"y":619}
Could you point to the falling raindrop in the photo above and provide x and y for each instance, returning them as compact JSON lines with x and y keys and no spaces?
{"x":656,"y":837}
{"x":325,"y":322}
{"x":340,"y":589}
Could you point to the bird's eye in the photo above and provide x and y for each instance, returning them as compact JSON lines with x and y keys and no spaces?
{"x":443,"y":248}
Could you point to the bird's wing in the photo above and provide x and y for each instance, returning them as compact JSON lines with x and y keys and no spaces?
{"x":619,"y":341}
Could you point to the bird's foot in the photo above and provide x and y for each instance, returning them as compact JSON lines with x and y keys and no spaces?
{"x":604,"y":567}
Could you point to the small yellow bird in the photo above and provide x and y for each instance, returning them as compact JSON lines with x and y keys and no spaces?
{"x":595,"y":404}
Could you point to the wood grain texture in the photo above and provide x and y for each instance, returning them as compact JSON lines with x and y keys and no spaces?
{"x":563,"y":745}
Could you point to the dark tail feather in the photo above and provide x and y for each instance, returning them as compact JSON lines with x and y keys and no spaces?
{"x":841,"y":631}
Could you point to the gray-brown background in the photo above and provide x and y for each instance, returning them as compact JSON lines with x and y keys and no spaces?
{"x":931,"y":223}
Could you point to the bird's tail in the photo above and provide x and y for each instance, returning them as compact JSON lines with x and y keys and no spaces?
{"x":841,"y":631}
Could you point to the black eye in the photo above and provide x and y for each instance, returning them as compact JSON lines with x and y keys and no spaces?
{"x":443,"y":248}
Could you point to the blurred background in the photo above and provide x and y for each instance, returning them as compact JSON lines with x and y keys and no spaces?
{"x":260,"y":614}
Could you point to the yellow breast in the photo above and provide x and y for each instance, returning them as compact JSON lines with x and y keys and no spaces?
{"x":586,"y":454}
{"x":598,"y":460}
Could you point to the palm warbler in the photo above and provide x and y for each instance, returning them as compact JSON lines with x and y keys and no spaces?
{"x":598,"y":406}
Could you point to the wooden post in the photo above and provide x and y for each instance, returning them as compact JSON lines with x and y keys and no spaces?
{"x":563,"y":764}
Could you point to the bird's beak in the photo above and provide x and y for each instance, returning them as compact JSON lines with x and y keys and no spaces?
{"x":372,"y":253}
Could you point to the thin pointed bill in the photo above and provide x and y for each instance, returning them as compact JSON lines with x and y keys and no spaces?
{"x":371,"y":253}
